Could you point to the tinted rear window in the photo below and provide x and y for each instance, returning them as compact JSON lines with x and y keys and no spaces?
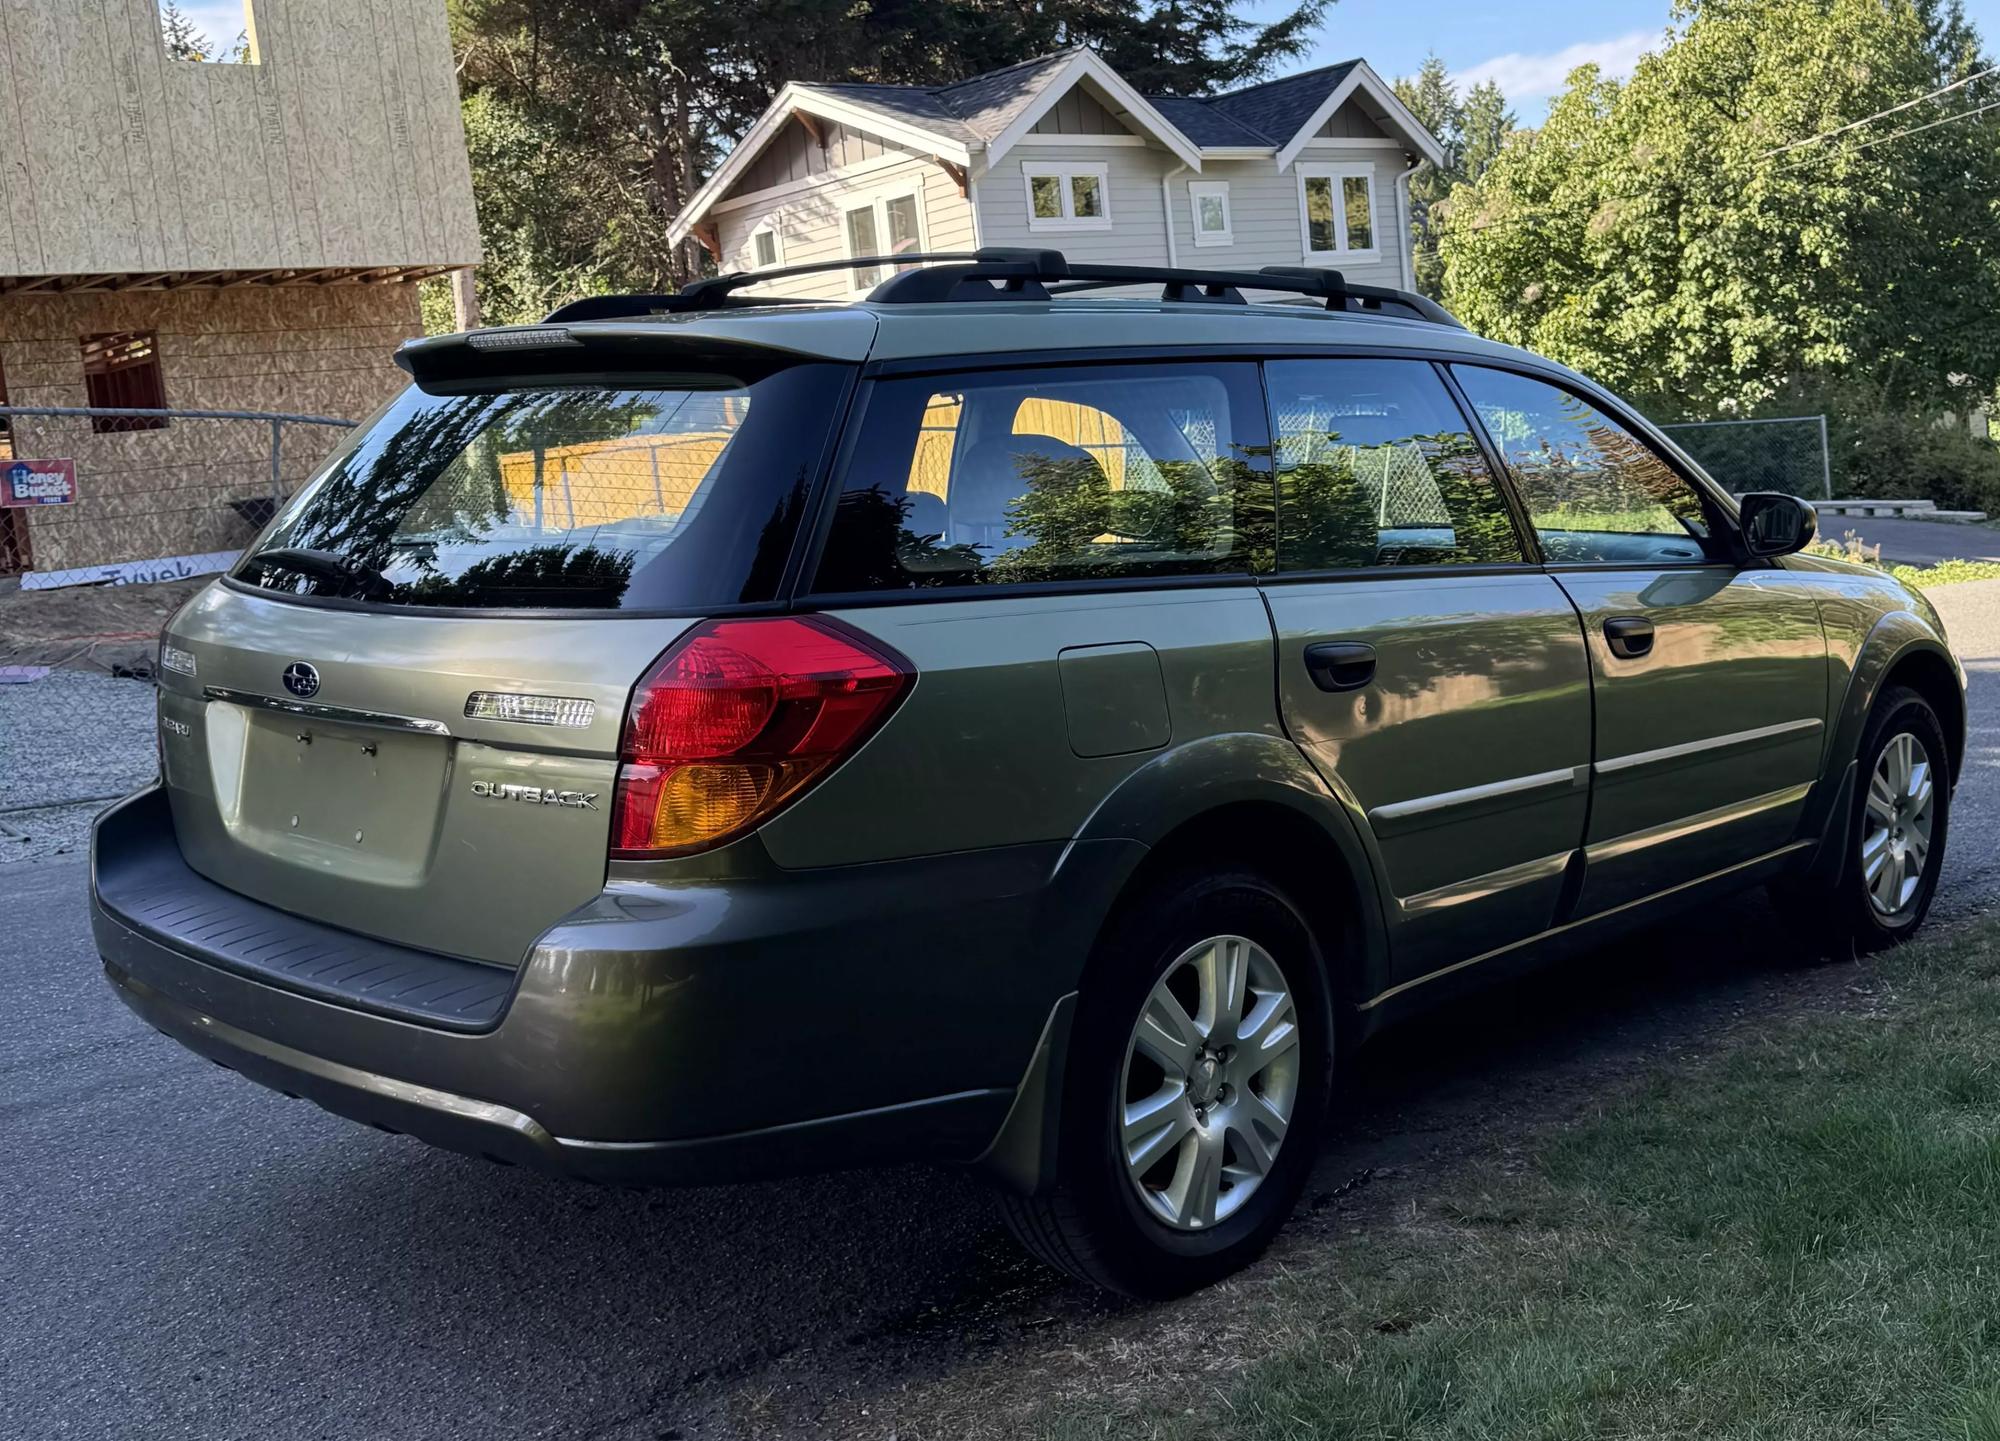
{"x":1070,"y":473}
{"x":666,"y":496}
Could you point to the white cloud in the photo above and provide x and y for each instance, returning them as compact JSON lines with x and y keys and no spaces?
{"x":1523,"y":77}
{"x":220,"y":20}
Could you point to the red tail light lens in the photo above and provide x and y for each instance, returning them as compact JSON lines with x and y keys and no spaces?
{"x":736,"y":719}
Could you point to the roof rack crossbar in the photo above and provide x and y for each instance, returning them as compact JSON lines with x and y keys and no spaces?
{"x":998,"y":273}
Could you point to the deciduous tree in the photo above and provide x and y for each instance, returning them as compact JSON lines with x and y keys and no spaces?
{"x":1701,"y":236}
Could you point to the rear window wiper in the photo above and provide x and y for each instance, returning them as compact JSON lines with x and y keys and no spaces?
{"x":326,"y":565}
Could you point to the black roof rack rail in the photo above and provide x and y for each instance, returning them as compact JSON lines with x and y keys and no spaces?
{"x":1039,"y":274}
{"x":718,"y":292}
{"x":997,"y":273}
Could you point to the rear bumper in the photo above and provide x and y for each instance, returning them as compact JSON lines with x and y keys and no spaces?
{"x":700,"y":1032}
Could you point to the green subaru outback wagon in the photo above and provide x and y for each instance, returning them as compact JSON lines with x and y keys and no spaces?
{"x":1012,"y":721}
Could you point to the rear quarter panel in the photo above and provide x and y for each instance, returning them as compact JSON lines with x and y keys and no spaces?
{"x":985,"y":751}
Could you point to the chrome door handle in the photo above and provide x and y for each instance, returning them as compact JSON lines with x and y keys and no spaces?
{"x":1629,"y":636}
{"x":1340,"y":664}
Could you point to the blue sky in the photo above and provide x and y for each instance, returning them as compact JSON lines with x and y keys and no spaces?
{"x":1526,"y":45}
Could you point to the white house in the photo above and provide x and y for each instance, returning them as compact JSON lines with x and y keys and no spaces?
{"x":1061,"y":153}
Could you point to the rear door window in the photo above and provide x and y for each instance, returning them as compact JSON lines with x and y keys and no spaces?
{"x":1066,"y":473}
{"x":1377,"y":467}
{"x":653,"y":497}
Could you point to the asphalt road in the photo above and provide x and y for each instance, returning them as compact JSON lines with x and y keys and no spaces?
{"x":183,"y":1254}
{"x":1917,"y":542}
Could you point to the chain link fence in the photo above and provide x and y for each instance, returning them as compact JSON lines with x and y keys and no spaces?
{"x":109,"y":519}
{"x":1787,"y":453}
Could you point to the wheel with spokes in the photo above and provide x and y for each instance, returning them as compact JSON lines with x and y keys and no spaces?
{"x":1899,"y":834}
{"x":1896,"y":835}
{"x":1899,"y":818}
{"x":1211,"y":1081}
{"x":1197,"y":1083}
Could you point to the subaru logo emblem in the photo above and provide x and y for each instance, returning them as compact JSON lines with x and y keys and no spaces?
{"x":301,"y":679}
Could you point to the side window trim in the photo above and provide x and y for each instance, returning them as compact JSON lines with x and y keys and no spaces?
{"x":1524,"y":531}
{"x":1722,"y":521}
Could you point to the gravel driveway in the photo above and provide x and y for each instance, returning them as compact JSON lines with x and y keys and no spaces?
{"x":183,"y":1254}
{"x":69,"y":742}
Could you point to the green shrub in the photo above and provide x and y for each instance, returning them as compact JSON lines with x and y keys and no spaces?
{"x":1886,"y":454}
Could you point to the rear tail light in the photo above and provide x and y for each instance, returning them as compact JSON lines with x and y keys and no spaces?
{"x":738,"y":718}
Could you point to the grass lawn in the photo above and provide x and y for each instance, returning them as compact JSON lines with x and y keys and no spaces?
{"x":1796,"y":1236}
{"x":1945,"y":572}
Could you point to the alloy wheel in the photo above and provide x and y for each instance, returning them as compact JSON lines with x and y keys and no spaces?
{"x":1210,"y":1081}
{"x":1896,"y":826}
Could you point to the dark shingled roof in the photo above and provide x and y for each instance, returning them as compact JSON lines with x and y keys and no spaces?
{"x":1202,"y":123}
{"x":1278,"y":108}
{"x":978,"y":109}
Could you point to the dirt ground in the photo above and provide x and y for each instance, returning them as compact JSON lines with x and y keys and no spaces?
{"x":109,"y":628}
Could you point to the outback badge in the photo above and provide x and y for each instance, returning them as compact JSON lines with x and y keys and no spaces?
{"x":536,"y":795}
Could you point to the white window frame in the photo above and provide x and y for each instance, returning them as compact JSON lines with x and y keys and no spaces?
{"x":1334,"y":175}
{"x":770,"y":228}
{"x":1062,"y":171}
{"x":878,"y":200}
{"x":1200,"y":190}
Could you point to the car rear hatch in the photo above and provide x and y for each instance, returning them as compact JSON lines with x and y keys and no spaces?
{"x":401,"y":713}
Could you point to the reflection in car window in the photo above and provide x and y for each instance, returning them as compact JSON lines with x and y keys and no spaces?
{"x":578,"y":496}
{"x":1058,"y":474}
{"x":1377,"y":467}
{"x":1594,"y":491}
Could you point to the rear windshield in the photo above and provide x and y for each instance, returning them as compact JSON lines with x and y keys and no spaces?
{"x":670,"y":496}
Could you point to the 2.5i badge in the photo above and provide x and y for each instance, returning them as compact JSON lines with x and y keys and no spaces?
{"x":536,"y":795}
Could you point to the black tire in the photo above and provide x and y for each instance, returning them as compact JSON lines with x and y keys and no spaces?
{"x":1841,"y":918}
{"x":1093,"y":1224}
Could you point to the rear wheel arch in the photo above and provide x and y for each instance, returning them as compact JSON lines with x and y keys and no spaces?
{"x":1266,"y":811}
{"x":1298,"y":855}
{"x":1239,"y":799}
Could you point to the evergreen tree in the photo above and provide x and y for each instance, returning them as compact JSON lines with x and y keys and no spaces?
{"x":1472,"y":130}
{"x":592,"y":122}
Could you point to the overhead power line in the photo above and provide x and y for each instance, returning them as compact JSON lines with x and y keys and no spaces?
{"x":1879,"y":115}
{"x":1900,"y":134}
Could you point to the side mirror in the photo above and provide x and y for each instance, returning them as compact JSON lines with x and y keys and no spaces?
{"x":1775,"y":523}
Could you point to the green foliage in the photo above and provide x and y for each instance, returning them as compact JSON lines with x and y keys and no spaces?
{"x":1653,"y":232}
{"x":434,"y":303}
{"x":1945,"y":572}
{"x":1881,"y":453}
{"x":591,"y":124}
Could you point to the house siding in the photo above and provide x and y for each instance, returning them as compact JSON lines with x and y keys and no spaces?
{"x":1264,"y":214}
{"x":1078,"y":113}
{"x":1138,"y":233}
{"x":1351,"y":122}
{"x":794,"y":155}
{"x":1263,"y":205}
{"x":809,"y":220}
